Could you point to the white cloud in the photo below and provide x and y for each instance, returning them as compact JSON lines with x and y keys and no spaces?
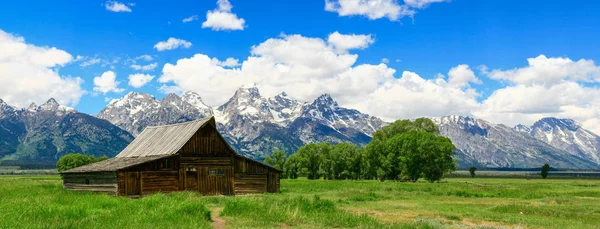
{"x":172,"y":43}
{"x":547,"y":87}
{"x":343,"y":42}
{"x":222,"y":18}
{"x":376,"y":9}
{"x":421,"y":3}
{"x":138,"y":80}
{"x":145,"y":57}
{"x":549,"y":71}
{"x":148,"y":67}
{"x":115,"y":6}
{"x":89,"y":61}
{"x":461,"y":76}
{"x":107,"y":83}
{"x":372,"y":9}
{"x":229,"y":62}
{"x":30,"y":73}
{"x":385,"y":60}
{"x":190,"y":19}
{"x":306,"y":68}
{"x":412,"y":96}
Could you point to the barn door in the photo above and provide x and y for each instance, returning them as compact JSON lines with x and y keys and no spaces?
{"x":191,"y":179}
{"x":216,"y":181}
{"x":133,"y":183}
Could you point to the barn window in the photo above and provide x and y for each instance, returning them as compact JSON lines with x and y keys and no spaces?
{"x":221,"y":172}
{"x":212,"y":172}
{"x":167,"y":164}
{"x":190,"y":169}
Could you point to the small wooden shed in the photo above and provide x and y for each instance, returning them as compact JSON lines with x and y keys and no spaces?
{"x":187,"y":156}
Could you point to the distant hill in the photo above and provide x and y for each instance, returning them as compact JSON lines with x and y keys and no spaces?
{"x":42,"y":134}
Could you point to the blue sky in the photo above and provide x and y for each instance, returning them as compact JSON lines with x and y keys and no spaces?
{"x":440,"y":36}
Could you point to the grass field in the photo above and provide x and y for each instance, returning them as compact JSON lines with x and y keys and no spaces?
{"x":41,"y":202}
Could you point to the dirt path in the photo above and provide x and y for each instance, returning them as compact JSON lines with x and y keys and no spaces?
{"x":218,"y":222}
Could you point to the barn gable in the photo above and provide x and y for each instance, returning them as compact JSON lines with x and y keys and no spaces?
{"x":186,"y":156}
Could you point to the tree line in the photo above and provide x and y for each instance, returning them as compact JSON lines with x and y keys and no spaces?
{"x":404,"y":150}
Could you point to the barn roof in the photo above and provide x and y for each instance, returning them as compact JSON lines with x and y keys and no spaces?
{"x":113,"y":164}
{"x":162,"y":140}
{"x":155,"y":142}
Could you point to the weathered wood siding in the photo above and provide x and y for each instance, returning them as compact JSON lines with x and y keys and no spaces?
{"x":206,"y":142}
{"x":104,"y":182}
{"x":159,"y":181}
{"x":250,"y":183}
{"x":254,"y":177}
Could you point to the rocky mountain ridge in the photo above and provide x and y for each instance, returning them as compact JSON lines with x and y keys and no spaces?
{"x":251,"y":123}
{"x":43,"y":133}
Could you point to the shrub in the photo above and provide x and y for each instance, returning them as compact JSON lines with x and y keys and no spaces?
{"x":545,"y":170}
{"x":472,"y":171}
{"x":74,"y":160}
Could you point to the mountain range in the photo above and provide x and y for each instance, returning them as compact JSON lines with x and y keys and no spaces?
{"x":253,"y":124}
{"x":44,"y":133}
{"x":256,"y":125}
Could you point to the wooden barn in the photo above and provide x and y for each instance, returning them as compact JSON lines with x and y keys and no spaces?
{"x":189,"y":156}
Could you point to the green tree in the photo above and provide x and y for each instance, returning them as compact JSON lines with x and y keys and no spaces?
{"x":309,"y":160}
{"x":472,"y":171}
{"x":69,"y":161}
{"x":545,"y":171}
{"x":277,"y":159}
{"x":437,"y":152}
{"x":397,"y":158}
{"x":291,"y":167}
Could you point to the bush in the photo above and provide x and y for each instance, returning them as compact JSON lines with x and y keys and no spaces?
{"x":545,"y":170}
{"x":472,"y":171}
{"x":74,"y":160}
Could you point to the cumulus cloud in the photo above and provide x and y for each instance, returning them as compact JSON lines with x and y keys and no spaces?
{"x":145,"y":68}
{"x":549,"y":71}
{"x":138,"y":80}
{"x":376,"y":9}
{"x":172,"y":43}
{"x":222,"y":18}
{"x":229,"y":62}
{"x":556,"y":87}
{"x":305,"y":68}
{"x":345,"y":42}
{"x":115,"y":6}
{"x":190,"y":19}
{"x":30,"y":73}
{"x":107,"y":83}
{"x":461,"y":76}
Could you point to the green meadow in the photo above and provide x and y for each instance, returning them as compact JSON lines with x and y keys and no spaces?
{"x":41,"y":202}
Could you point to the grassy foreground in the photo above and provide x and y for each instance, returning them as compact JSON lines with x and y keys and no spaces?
{"x":41,"y":202}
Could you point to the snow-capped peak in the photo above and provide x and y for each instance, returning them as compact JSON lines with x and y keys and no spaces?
{"x":52,"y":105}
{"x":325,"y":99}
{"x":522,"y":128}
{"x":195,"y":99}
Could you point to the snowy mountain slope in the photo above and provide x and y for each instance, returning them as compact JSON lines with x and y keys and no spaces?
{"x":568,"y":135}
{"x":43,"y":133}
{"x":495,"y":145}
{"x":135,"y":111}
